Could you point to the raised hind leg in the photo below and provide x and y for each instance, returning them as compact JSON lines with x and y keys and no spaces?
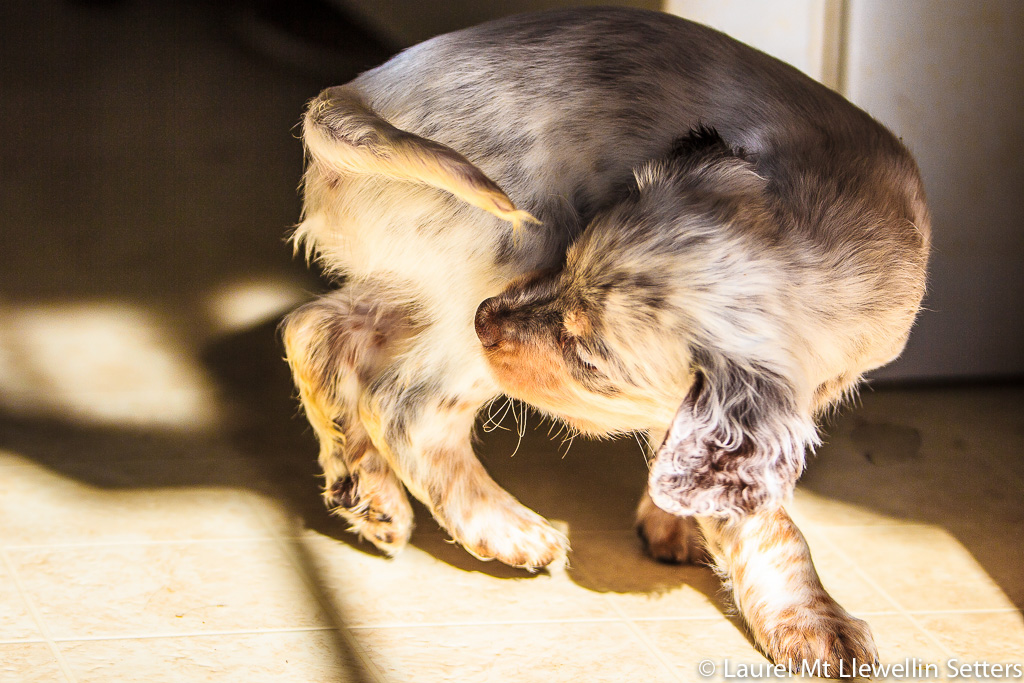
{"x":333,"y":344}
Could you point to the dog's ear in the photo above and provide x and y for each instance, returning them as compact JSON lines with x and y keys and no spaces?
{"x":344,"y":134}
{"x":736,"y":444}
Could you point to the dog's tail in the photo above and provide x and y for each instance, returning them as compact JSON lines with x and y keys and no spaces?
{"x":346,"y":136}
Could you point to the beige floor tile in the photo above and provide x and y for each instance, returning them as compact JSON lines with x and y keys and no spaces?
{"x":255,"y":658}
{"x":615,"y":564}
{"x":140,"y":590}
{"x":16,"y":622}
{"x":812,"y":509}
{"x":842,"y":579}
{"x":940,"y":457}
{"x":40,"y":507}
{"x":593,"y":652}
{"x":898,"y":639}
{"x":686,"y":643}
{"x":997,"y":547}
{"x":29,"y":663}
{"x":993,"y":636}
{"x":921,"y":567}
{"x":438,"y":582}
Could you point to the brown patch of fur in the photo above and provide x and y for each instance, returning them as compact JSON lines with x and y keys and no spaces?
{"x":668,"y":538}
{"x":777,"y":531}
{"x":800,"y":623}
{"x":531,"y":371}
{"x":577,"y":323}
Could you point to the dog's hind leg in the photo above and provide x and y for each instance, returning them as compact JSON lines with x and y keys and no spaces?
{"x":767,"y":564}
{"x":667,"y":537}
{"x":332,"y":345}
{"x":424,"y":431}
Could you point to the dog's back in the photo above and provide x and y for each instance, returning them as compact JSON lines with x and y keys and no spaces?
{"x":558,"y":108}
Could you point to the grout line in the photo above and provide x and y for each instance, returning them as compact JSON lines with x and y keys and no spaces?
{"x":347,"y":644}
{"x":652,"y":648}
{"x":116,"y":544}
{"x":192,"y":634}
{"x":647,"y":643}
{"x":37,"y":616}
{"x":874,"y":614}
{"x":623,"y":617}
{"x":463,"y":624}
{"x":871,"y":582}
{"x":990,"y":610}
{"x":600,"y":620}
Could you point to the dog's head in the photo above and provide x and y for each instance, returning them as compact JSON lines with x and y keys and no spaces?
{"x":667,"y":312}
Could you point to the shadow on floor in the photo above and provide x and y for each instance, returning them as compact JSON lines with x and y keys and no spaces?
{"x":947,"y":456}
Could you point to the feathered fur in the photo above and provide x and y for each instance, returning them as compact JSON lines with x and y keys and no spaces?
{"x":669,"y":232}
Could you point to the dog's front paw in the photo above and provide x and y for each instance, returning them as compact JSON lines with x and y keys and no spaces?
{"x":375,"y":506}
{"x":668,"y":538}
{"x":822,"y":639}
{"x":498,"y":527}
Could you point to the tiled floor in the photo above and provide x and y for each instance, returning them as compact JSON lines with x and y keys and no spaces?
{"x":159,"y":509}
{"x":214,"y":562}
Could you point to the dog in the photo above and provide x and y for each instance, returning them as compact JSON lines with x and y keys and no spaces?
{"x":633,"y":223}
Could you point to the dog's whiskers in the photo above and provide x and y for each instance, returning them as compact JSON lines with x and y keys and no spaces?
{"x":571,"y":435}
{"x":520,"y":420}
{"x":490,"y":424}
{"x":643,"y":449}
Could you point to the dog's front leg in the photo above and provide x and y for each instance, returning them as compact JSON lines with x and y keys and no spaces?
{"x":426,"y":439}
{"x":767,"y":564}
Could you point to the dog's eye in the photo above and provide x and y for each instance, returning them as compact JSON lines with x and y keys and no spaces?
{"x":574,"y":351}
{"x":585,"y":360}
{"x":576,"y":354}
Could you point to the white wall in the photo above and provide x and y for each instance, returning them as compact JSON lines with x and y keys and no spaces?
{"x":804,"y":33}
{"x":948,"y":77}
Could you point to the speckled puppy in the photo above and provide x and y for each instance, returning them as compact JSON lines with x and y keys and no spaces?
{"x":711,"y":248}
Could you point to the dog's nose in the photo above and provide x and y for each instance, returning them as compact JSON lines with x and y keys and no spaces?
{"x":487,"y":328}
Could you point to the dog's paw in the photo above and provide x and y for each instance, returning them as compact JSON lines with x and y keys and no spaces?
{"x":821,"y":639}
{"x":500,"y":528}
{"x":668,"y":538}
{"x":375,"y":506}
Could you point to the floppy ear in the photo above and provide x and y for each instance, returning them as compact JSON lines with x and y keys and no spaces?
{"x":344,"y":134}
{"x":736,"y":444}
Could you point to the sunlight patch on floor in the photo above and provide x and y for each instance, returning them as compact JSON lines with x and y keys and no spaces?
{"x":100,"y":363}
{"x":244,"y":304}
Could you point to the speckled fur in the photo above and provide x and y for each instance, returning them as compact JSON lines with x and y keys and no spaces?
{"x":670,"y":232}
